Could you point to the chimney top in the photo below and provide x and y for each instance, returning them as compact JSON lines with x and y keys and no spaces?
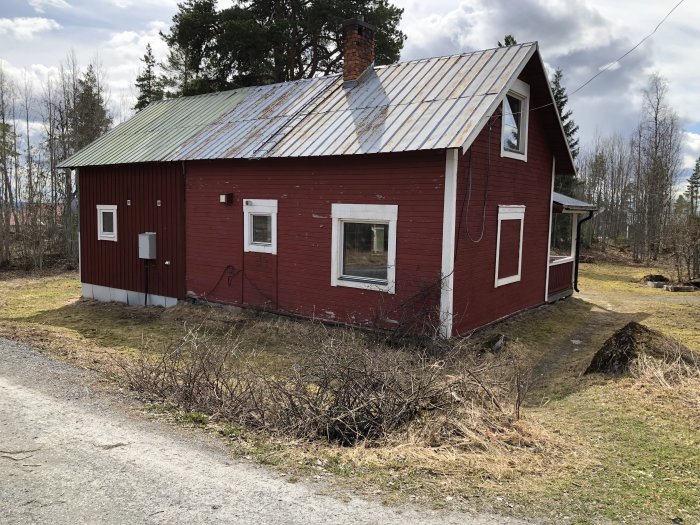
{"x":358,"y":48}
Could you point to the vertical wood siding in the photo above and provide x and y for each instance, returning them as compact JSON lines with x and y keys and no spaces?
{"x":560,"y":278}
{"x":496,"y":180}
{"x":117,"y":264}
{"x":297,"y":279}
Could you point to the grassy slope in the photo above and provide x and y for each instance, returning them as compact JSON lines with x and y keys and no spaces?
{"x":601,"y":450}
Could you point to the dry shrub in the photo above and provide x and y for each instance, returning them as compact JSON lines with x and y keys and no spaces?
{"x":343,"y":388}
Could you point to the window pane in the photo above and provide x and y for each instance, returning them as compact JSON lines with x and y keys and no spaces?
{"x":511,"y":123}
{"x":262,"y":229}
{"x":561,"y":235}
{"x":107,"y":222}
{"x":365,"y":250}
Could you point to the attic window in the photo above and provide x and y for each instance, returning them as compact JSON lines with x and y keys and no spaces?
{"x":516,"y":105}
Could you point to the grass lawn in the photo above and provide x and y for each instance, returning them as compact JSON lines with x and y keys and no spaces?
{"x":588,"y":449}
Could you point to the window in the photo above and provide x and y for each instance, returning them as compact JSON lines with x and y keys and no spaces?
{"x":107,"y":222}
{"x":562,"y":242}
{"x":364,"y":246}
{"x":509,"y":244}
{"x":515,"y":119}
{"x":260,"y":225}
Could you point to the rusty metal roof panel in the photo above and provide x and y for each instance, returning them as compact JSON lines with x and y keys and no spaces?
{"x":434,"y":103}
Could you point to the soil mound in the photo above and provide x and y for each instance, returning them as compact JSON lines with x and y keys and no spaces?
{"x":654,"y":278}
{"x":624,"y":346}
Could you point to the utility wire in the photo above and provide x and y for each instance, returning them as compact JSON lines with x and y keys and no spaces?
{"x":611,"y":64}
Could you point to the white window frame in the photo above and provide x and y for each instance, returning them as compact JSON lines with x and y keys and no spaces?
{"x":521,"y":91}
{"x":368,"y":213}
{"x":259,"y":207}
{"x":101,"y":234}
{"x":509,"y":213}
{"x":563,"y":259}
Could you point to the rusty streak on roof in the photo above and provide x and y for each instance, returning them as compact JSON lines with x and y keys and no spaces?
{"x":435,"y":103}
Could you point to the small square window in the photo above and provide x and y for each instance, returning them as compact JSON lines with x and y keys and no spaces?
{"x":106,"y":222}
{"x":364,"y":246}
{"x":365,"y":251}
{"x":260,"y":225}
{"x":514,"y":121}
{"x":262,"y":229}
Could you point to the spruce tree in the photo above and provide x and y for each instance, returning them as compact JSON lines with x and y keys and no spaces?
{"x":561,"y":99}
{"x":149,"y":85}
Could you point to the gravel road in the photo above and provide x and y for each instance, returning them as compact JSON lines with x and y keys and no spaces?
{"x":73,"y":450}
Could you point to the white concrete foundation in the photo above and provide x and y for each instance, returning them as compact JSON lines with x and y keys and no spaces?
{"x":106,"y":294}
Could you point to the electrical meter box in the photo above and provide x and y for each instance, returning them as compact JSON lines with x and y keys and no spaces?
{"x":147,"y":245}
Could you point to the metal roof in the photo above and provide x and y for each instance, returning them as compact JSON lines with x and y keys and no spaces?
{"x":435,"y":103}
{"x":570,"y":204}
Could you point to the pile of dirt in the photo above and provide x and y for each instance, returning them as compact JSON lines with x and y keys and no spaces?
{"x":629,"y":342}
{"x":654,"y":278}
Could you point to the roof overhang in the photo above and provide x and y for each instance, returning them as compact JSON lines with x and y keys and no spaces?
{"x":563,"y":204}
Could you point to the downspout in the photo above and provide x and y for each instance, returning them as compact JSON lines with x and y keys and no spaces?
{"x":578,"y":246}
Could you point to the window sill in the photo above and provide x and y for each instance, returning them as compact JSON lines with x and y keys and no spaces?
{"x":507,"y":280}
{"x":365,"y":284}
{"x":561,"y":260}
{"x":261,"y":248}
{"x":514,"y":155}
{"x":103,"y":238}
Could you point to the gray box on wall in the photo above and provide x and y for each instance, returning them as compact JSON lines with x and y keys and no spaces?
{"x":147,"y":245}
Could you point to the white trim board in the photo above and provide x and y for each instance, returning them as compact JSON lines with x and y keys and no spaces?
{"x":509,"y":213}
{"x":449,"y":219}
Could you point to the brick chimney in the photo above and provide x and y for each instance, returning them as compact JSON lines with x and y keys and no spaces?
{"x":358,"y":47}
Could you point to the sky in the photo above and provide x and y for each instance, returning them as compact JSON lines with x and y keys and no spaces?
{"x":578,"y":36}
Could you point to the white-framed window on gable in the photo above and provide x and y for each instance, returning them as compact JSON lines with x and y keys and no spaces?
{"x":509,"y":244}
{"x":516,"y":106}
{"x":364,"y":246}
{"x":107,"y":222}
{"x":260,"y":225}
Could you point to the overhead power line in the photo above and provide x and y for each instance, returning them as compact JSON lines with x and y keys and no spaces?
{"x":611,"y":64}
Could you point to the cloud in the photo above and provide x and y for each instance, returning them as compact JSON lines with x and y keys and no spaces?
{"x":24,"y":28}
{"x":40,"y":5}
{"x":691,"y":149}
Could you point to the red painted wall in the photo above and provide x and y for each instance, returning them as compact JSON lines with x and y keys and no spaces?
{"x":297,"y":280}
{"x":116,"y":264}
{"x":496,"y":180}
{"x":560,"y":277}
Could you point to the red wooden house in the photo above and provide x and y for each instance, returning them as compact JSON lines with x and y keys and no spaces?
{"x":411,"y":195}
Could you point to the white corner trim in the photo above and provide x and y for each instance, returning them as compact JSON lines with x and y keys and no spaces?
{"x":520,"y":90}
{"x":101,"y":234}
{"x":373,"y":213}
{"x":449,"y":218}
{"x":259,"y":207}
{"x":549,"y":230}
{"x":506,"y":213}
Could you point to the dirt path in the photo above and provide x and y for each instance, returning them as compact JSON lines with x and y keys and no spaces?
{"x":73,"y":450}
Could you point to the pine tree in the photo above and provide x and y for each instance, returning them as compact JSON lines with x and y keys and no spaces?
{"x":509,"y":40}
{"x":149,"y":85}
{"x":693,"y":191}
{"x":561,"y":99}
